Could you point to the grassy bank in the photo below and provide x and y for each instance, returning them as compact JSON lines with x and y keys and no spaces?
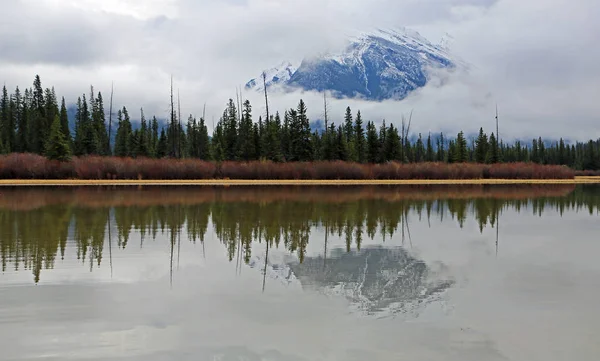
{"x":23,"y":168}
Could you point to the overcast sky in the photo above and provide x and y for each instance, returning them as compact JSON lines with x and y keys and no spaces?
{"x":538,"y":59}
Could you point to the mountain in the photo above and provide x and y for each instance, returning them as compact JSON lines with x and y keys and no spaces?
{"x":378,"y":65}
{"x":278,"y":75}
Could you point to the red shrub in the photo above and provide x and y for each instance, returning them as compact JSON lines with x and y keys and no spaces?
{"x":31,"y":166}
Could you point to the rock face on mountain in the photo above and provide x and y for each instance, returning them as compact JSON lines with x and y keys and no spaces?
{"x":383,"y":64}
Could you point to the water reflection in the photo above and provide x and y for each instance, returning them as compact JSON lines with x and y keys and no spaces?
{"x":37,"y":223}
{"x":249,"y":268}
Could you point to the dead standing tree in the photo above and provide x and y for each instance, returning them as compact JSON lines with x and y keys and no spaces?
{"x":110,"y":118}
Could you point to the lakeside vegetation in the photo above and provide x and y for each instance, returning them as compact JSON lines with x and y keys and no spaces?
{"x":276,"y":147}
{"x":31,"y":166}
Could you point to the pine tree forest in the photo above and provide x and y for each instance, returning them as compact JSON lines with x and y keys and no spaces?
{"x":35,"y":120}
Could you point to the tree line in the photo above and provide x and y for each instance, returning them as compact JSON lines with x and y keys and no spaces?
{"x":33,"y":121}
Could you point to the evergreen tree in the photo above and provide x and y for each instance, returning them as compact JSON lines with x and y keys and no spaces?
{"x":230,"y":131}
{"x":8,"y":113}
{"x":372,"y":143}
{"x":57,"y":145}
{"x":154,"y":139}
{"x":273,"y":143}
{"x":316,"y":141}
{"x":218,"y":143}
{"x":303,"y":145}
{"x":441,"y":151}
{"x":203,"y":141}
{"x":286,"y":138}
{"x":348,"y":125}
{"x":4,"y":117}
{"x":50,"y":112}
{"x":392,"y":143}
{"x":461,"y":154}
{"x":331,"y":151}
{"x":493,"y":156}
{"x":143,"y":137}
{"x":383,"y":151}
{"x":359,"y":139}
{"x":192,"y":133}
{"x":419,"y":149}
{"x":341,"y":145}
{"x":162,"y":146}
{"x":452,"y":152}
{"x":37,"y":128}
{"x":22,"y":122}
{"x":86,"y":141}
{"x":124,"y":134}
{"x":542,"y":151}
{"x":99,"y":125}
{"x":481,"y":147}
{"x":257,"y":145}
{"x":64,"y":122}
{"x":247,"y":139}
{"x":429,"y":156}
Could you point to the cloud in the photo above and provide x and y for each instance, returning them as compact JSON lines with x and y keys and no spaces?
{"x":536,"y":59}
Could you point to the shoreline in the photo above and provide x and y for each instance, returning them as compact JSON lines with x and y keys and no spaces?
{"x":295,"y":182}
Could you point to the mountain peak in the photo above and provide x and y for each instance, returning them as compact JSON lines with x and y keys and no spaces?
{"x":375,"y":65}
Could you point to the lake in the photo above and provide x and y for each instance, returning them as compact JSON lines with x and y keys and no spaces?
{"x":300,"y":273}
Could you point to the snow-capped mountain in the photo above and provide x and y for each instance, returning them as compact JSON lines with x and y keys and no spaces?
{"x":378,"y":65}
{"x":276,"y":76}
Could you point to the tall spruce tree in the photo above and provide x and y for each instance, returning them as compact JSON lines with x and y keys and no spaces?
{"x":304,"y":147}
{"x":247,"y":139}
{"x":273,"y":139}
{"x":162,"y":146}
{"x":23,"y":122}
{"x":37,"y":128}
{"x":493,"y":155}
{"x":7,"y":128}
{"x":359,"y":139}
{"x":429,"y":156}
{"x":372,"y":143}
{"x":461,"y":154}
{"x":392,"y":143}
{"x":99,"y":125}
{"x":57,"y":145}
{"x":64,"y":122}
{"x":124,"y":134}
{"x":341,"y":144}
{"x":230,"y":131}
{"x":481,"y":147}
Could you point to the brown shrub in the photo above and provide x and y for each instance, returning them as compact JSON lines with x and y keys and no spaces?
{"x":587,"y":173}
{"x":31,"y":166}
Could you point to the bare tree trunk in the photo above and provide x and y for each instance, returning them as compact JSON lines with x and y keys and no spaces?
{"x":179,"y":128}
{"x":173,"y":151}
{"x":264,"y":75}
{"x":110,"y":111}
{"x":497,"y":133}
{"x":325,"y":111}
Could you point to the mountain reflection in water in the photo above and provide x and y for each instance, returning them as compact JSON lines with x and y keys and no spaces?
{"x":38,"y":225}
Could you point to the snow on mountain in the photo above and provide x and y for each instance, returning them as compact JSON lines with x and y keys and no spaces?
{"x":278,"y":75}
{"x":375,"y":65}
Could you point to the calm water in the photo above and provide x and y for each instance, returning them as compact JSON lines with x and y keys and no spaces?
{"x":293,"y":273}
